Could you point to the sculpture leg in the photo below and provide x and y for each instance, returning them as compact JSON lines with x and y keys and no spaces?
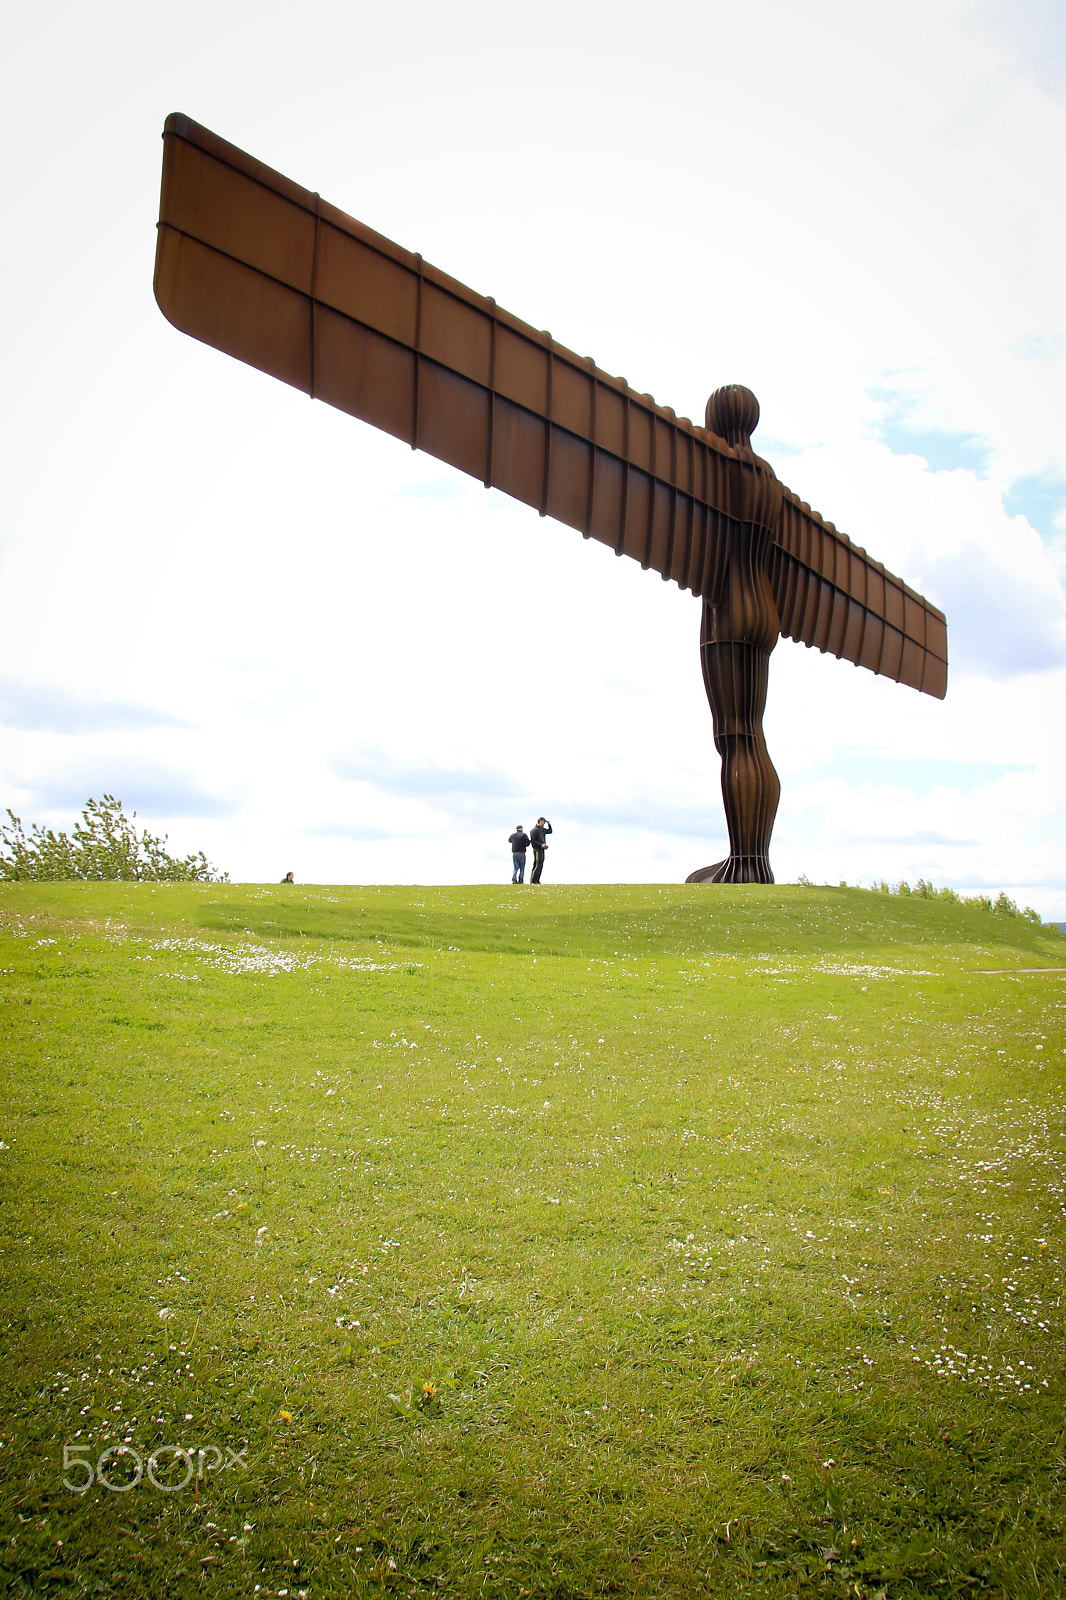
{"x":735,"y":676}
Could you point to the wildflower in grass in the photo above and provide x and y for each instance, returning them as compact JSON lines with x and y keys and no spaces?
{"x":430,"y":1396}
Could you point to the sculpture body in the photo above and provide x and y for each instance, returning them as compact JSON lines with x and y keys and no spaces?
{"x":740,"y":628}
{"x":268,"y":272}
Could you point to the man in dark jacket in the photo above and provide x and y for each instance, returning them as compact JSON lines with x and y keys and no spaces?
{"x":519,"y":842}
{"x":539,"y":842}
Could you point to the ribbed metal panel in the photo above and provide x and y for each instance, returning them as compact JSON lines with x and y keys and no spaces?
{"x":256,"y":266}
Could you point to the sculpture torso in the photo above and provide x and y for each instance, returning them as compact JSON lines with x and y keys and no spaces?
{"x":740,"y":628}
{"x":743,"y":610}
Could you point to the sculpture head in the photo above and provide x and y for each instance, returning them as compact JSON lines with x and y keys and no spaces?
{"x":733,"y":414}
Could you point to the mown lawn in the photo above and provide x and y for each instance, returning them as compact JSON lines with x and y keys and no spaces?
{"x":518,"y":1242}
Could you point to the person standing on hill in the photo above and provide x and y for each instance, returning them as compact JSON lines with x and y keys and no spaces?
{"x":519,"y":842}
{"x":538,"y":839}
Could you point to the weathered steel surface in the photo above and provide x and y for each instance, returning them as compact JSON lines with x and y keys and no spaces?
{"x":251,"y":263}
{"x":740,"y":628}
{"x":268,"y":272}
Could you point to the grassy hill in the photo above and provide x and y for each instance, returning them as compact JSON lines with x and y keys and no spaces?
{"x":512,"y":1241}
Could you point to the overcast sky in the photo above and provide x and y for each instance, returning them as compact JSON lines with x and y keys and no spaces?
{"x":288,"y":640}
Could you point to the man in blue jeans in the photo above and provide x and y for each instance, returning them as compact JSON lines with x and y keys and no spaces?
{"x":519,"y":842}
{"x":538,"y":839}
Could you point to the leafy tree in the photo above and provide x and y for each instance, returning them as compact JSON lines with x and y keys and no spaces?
{"x":103,"y":845}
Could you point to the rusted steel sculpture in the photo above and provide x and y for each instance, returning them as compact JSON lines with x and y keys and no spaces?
{"x":268,"y":272}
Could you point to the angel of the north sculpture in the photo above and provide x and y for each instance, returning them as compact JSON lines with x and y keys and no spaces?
{"x":268,"y":272}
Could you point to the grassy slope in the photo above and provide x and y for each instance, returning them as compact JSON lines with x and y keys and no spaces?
{"x":723,"y":1185}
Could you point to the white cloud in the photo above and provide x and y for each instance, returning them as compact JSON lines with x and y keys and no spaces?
{"x":949,"y":534}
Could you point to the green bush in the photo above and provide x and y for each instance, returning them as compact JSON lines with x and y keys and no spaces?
{"x":103,"y":845}
{"x":1003,"y":904}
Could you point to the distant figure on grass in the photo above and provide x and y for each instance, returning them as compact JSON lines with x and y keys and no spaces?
{"x":288,"y":878}
{"x":519,"y":842}
{"x":538,"y":840}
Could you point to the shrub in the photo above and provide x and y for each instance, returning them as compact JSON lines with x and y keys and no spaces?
{"x":103,"y":845}
{"x":1003,"y":905}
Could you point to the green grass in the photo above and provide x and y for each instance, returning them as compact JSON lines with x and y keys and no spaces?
{"x":673,"y":1196}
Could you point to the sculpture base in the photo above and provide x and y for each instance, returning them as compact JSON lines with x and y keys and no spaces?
{"x":734,"y":869}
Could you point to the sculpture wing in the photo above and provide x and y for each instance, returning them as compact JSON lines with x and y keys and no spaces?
{"x":832,"y":595}
{"x":268,"y":272}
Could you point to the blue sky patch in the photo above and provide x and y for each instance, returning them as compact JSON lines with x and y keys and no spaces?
{"x":945,"y":452}
{"x":416,"y":781}
{"x":435,"y":489}
{"x":151,"y":793}
{"x":46,"y":708}
{"x":1038,"y":500}
{"x":770,"y":448}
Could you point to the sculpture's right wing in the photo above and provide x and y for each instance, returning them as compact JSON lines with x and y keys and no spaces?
{"x":830,"y":594}
{"x":268,"y":272}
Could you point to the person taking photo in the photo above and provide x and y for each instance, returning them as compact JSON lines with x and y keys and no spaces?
{"x":538,"y":839}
